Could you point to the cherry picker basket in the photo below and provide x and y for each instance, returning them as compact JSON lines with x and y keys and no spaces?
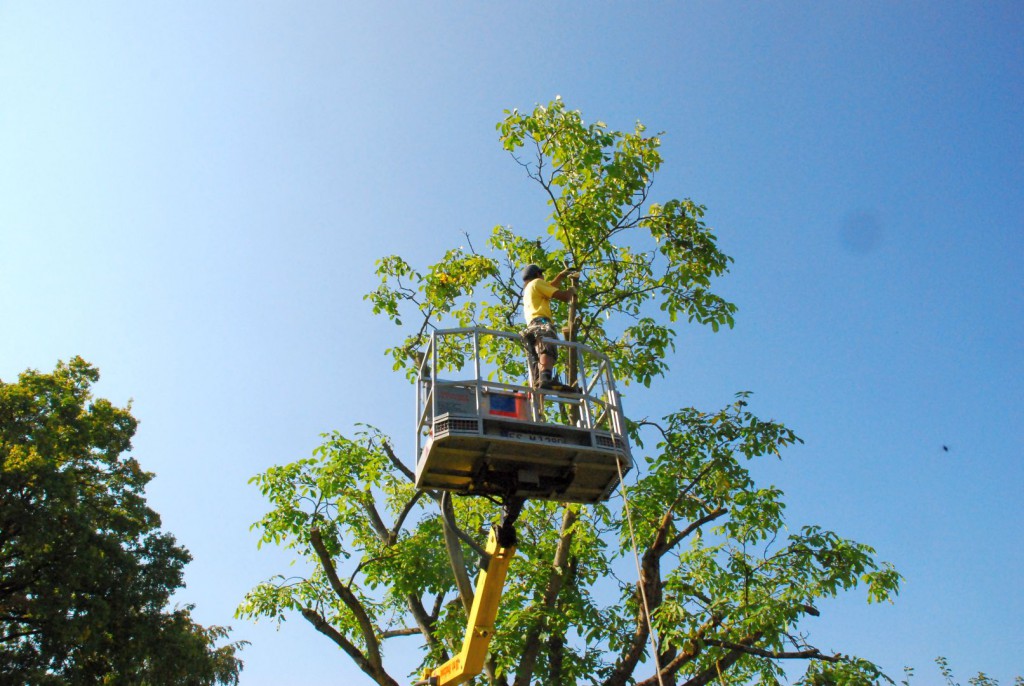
{"x":477,"y":434}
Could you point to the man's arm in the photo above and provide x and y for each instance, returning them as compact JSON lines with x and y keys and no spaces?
{"x":566,"y":294}
{"x":562,"y":274}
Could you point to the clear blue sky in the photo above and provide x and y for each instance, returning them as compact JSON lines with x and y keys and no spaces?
{"x":192,"y":195}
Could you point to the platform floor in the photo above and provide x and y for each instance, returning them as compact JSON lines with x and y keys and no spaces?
{"x":486,"y":456}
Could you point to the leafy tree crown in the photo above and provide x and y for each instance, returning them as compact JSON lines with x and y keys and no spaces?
{"x":727,"y":583}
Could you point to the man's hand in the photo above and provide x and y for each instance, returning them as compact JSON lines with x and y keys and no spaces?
{"x":567,"y":272}
{"x":563,"y":294}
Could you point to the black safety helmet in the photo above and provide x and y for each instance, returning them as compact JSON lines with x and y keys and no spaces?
{"x":531,"y":272}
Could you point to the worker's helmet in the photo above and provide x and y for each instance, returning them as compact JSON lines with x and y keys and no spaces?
{"x":531,"y":272}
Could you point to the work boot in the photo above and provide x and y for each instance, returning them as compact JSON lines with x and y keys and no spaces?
{"x":560,"y":387}
{"x":555,"y":384}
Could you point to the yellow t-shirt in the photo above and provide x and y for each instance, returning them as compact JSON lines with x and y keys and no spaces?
{"x":537,"y":300}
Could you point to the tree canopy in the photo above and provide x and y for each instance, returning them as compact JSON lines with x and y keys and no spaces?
{"x":728,"y":584}
{"x":86,"y":574}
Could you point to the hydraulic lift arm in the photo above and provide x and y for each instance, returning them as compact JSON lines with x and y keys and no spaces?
{"x":501,"y":548}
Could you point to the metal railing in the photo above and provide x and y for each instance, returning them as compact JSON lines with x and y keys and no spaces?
{"x":462,"y":370}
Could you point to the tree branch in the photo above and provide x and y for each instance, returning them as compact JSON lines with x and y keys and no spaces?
{"x":364,"y":563}
{"x":349,"y":598}
{"x":737,"y":651}
{"x":438,"y":604}
{"x":392,"y":633}
{"x":649,"y":586}
{"x":455,"y":556}
{"x":693,"y":649}
{"x":321,"y":625}
{"x":647,"y":422}
{"x":399,"y":465}
{"x":401,"y":517}
{"x":775,"y":655}
{"x":710,"y":517}
{"x":424,"y":622}
{"x":713,"y":672}
{"x":671,"y":668}
{"x":379,"y":528}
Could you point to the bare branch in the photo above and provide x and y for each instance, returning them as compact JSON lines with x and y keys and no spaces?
{"x":375,"y":671}
{"x":366,"y":627}
{"x":449,"y":519}
{"x":424,"y":622}
{"x":408,"y":631}
{"x":364,"y":563}
{"x":393,"y":534}
{"x":455,"y":556}
{"x":389,"y":451}
{"x":438,"y":604}
{"x":775,"y":655}
{"x":647,"y":422}
{"x":366,"y":500}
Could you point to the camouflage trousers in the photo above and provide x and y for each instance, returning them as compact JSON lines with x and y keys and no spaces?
{"x":533,"y":336}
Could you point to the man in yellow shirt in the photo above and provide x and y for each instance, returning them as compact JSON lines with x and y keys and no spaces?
{"x":540,"y":324}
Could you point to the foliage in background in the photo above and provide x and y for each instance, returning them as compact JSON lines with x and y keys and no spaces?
{"x":85,"y":571}
{"x":729,"y":585}
{"x":980,"y":679}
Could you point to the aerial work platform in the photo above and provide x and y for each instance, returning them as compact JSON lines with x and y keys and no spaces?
{"x":477,"y":434}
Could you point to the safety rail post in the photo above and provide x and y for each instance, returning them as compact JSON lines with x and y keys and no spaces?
{"x":433,"y":378}
{"x":476,"y":372}
{"x":424,"y":400}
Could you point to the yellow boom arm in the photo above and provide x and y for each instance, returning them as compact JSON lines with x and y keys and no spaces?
{"x":489,"y":585}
